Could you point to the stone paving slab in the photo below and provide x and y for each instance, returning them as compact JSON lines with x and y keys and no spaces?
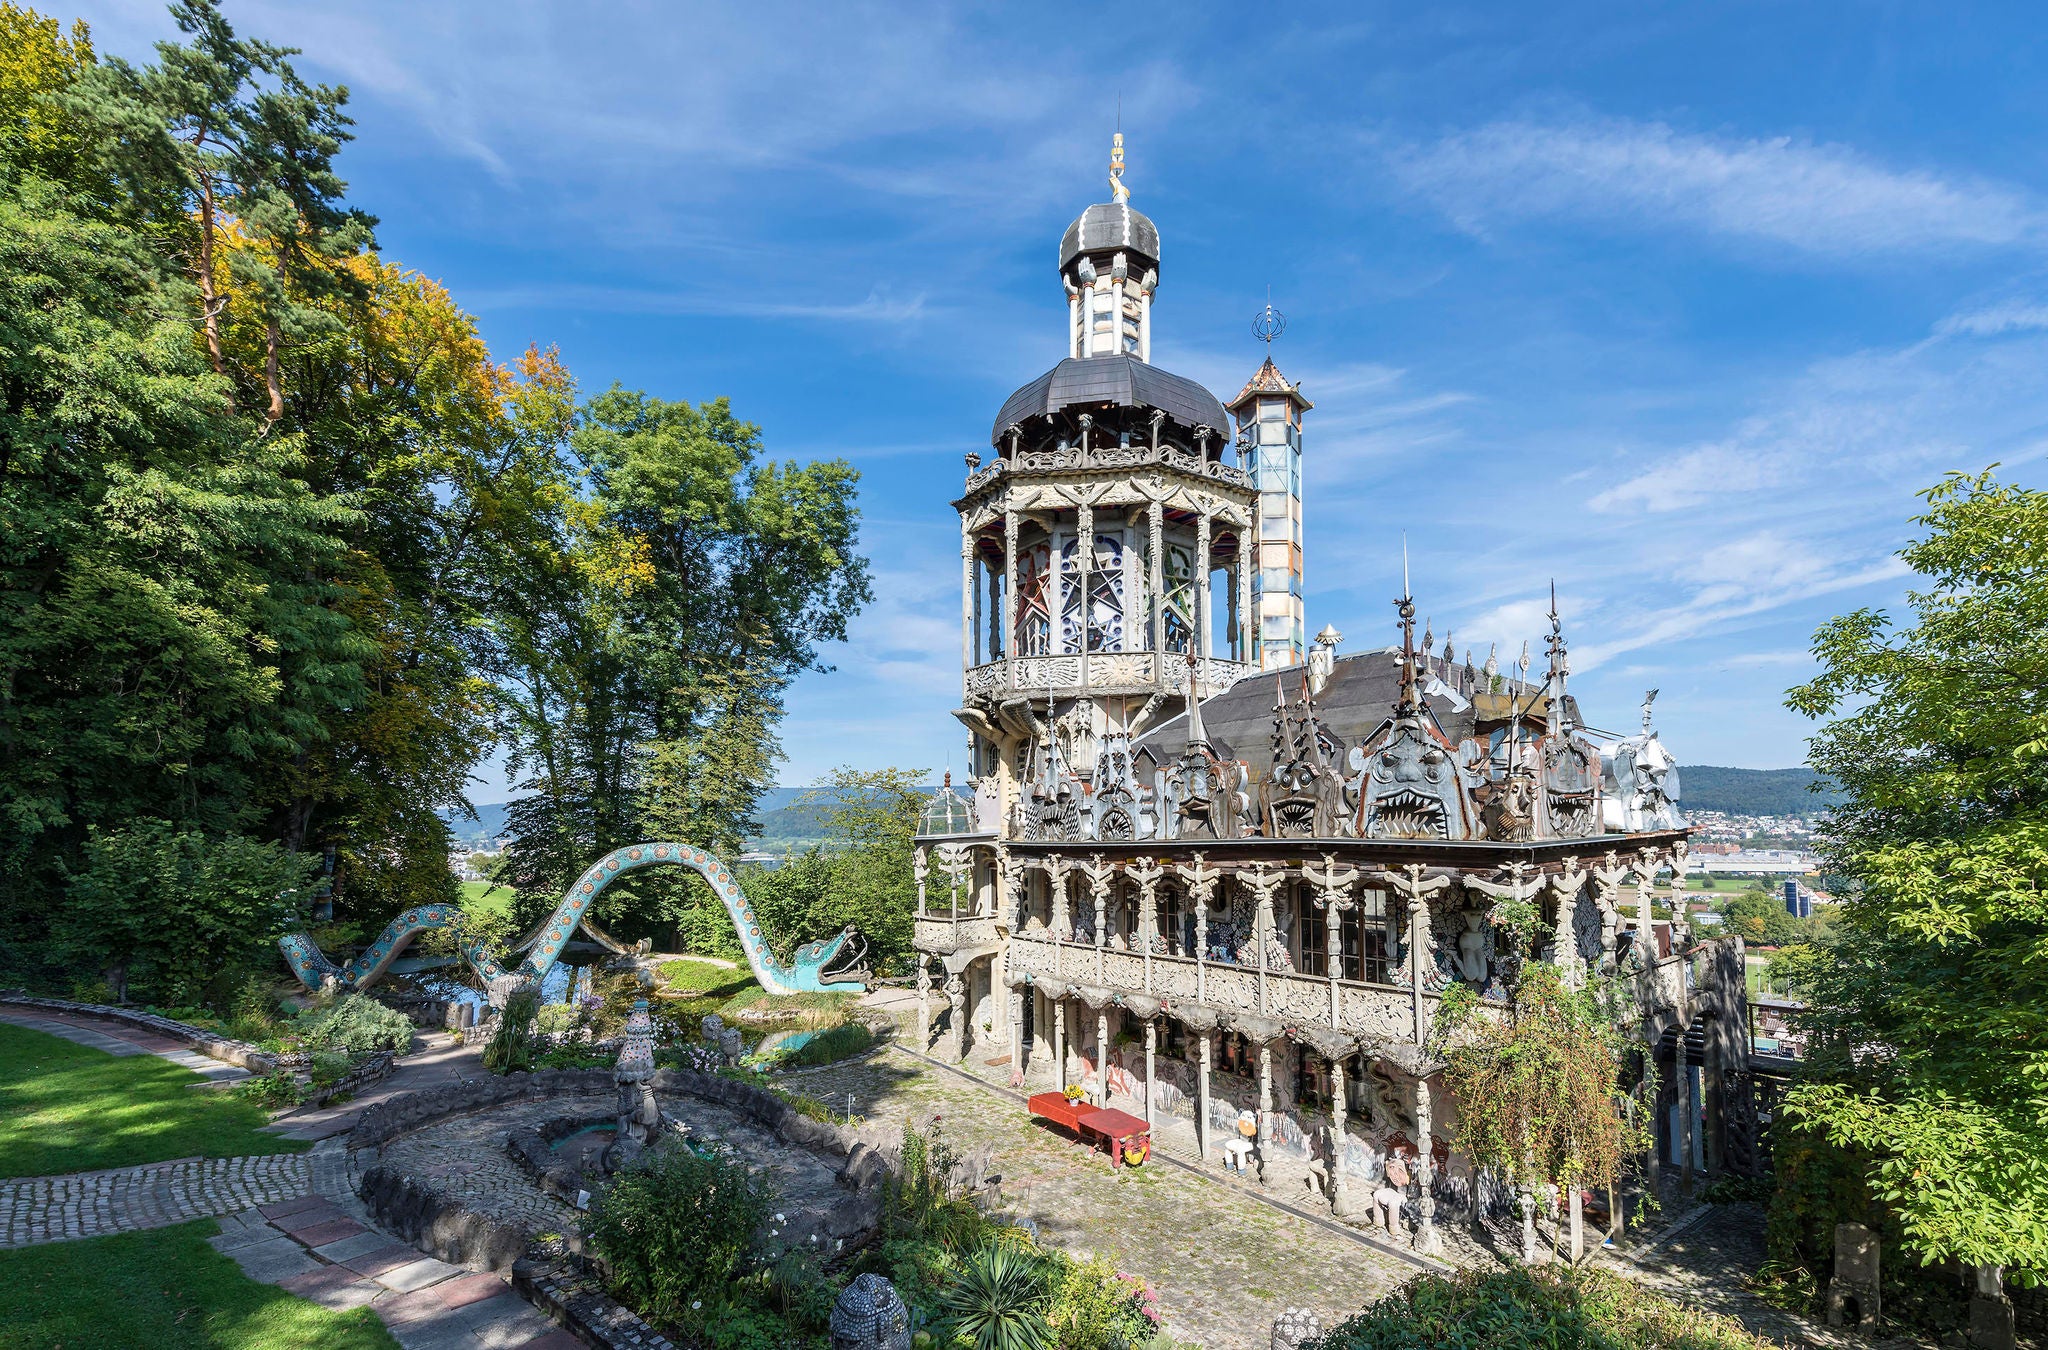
{"x":335,"y":1230}
{"x":362,"y":1244}
{"x":426,"y":1304}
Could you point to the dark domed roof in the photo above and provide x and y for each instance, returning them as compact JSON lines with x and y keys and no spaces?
{"x":1110,"y":225}
{"x":1122,"y":380}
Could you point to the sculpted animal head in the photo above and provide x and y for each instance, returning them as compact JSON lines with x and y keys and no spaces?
{"x":831,"y":965}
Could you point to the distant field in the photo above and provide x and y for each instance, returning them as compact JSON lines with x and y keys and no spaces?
{"x":474,"y":896}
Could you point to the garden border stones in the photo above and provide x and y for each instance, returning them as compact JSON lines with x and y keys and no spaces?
{"x":533,"y":1149}
{"x":219,"y":1047}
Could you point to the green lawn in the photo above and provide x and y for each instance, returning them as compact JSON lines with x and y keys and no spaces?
{"x":66,"y":1107}
{"x":483,"y":895}
{"x":161,"y":1289}
{"x":694,"y":988}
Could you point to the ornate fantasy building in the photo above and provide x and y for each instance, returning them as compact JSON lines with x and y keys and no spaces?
{"x":1208,"y":866}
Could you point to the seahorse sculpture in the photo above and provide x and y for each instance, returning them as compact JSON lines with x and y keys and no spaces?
{"x":828,"y":966}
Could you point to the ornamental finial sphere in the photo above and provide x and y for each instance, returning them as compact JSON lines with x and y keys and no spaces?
{"x":1269,"y":324}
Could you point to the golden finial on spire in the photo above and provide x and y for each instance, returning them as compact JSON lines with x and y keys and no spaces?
{"x":1117,"y":191}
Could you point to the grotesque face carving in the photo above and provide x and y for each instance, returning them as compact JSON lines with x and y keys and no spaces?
{"x":1509,"y":812}
{"x":1571,"y":782}
{"x":1410,"y":788}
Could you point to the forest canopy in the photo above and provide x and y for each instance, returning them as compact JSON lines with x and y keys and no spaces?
{"x":286,"y":552}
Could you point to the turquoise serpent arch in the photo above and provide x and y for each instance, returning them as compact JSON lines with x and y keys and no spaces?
{"x":808,"y":973}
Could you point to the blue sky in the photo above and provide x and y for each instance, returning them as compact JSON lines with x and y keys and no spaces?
{"x":1676,"y":303}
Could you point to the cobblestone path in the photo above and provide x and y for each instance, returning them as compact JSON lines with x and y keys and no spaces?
{"x":87,"y":1204}
{"x":464,"y":1157}
{"x":1224,"y":1262}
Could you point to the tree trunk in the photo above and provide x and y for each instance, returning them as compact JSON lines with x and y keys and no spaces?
{"x":1578,"y":1225}
{"x":211,"y":302}
{"x":116,"y":976}
{"x":273,"y":338}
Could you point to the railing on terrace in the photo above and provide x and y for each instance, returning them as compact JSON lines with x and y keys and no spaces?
{"x":1350,"y":1006}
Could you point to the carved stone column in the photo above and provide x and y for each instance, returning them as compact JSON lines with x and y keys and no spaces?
{"x":1010,"y":593}
{"x":1147,"y":874}
{"x":1565,"y":885}
{"x":924,"y":1003}
{"x":956,"y":999}
{"x":1201,"y":881}
{"x":1102,"y":1055}
{"x":920,"y":867}
{"x":1411,"y":885}
{"x":1340,"y":1197}
{"x":1263,"y":881}
{"x":1156,"y":528}
{"x":1265,"y":1092}
{"x":967,"y":624}
{"x":1101,"y":879}
{"x":1017,"y":1032}
{"x":1647,"y":861}
{"x":1084,"y":573}
{"x":1607,"y":880}
{"x":1151,"y":1050}
{"x":1202,"y":1096}
{"x":1247,"y":621}
{"x":1681,"y":921}
{"x":1333,"y":888}
{"x":1059,"y":1041}
{"x":1681,"y":1083}
{"x":1427,"y":1240}
{"x":1204,"y":608}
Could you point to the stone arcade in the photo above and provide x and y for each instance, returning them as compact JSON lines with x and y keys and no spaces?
{"x":1206,"y":867}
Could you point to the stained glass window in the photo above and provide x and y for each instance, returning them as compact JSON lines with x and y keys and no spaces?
{"x":1034,"y":615}
{"x":1180,"y":598}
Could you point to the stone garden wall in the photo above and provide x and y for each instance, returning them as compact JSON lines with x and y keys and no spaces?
{"x":206,"y":1042}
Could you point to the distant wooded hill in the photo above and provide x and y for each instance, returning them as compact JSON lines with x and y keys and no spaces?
{"x":1705,"y":787}
{"x":1753,"y":792}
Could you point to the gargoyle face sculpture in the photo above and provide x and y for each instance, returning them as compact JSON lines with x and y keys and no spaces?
{"x":1410,"y":784}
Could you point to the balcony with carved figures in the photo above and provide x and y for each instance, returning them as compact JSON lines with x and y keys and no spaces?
{"x":1101,"y":673}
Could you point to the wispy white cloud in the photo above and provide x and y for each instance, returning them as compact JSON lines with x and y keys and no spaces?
{"x":2010,"y":316}
{"x":1820,"y":198}
{"x":878,"y":306}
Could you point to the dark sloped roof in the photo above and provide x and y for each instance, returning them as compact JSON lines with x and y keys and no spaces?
{"x":1122,"y":380}
{"x":1358,"y":698}
{"x":1110,"y":225}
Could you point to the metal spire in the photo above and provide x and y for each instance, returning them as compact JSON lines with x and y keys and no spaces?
{"x":1411,"y":695}
{"x":1117,"y":191}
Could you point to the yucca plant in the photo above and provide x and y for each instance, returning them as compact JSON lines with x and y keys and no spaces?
{"x":998,"y":1301}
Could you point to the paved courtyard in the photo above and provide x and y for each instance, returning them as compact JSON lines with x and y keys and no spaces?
{"x":1224,"y":1262}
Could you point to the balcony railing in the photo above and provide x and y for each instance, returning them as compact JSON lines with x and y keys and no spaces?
{"x":1349,"y":1006}
{"x":1103,"y":672}
{"x":943,"y":932}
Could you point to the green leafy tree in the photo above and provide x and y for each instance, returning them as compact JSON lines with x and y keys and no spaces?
{"x":199,"y":912}
{"x":871,"y":817}
{"x":1761,"y":918}
{"x":1927,"y":1008}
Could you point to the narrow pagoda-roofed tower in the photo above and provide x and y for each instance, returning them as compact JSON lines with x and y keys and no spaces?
{"x":1269,"y":416}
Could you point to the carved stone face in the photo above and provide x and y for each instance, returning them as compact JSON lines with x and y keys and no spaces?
{"x":1411,"y":788}
{"x":1571,"y":783}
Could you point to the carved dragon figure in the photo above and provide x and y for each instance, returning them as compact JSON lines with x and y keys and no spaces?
{"x":811,"y":972}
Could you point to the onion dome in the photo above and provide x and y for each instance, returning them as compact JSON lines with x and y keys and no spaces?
{"x":1112,"y":227}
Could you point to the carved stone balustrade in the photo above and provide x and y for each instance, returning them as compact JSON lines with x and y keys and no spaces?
{"x":1378,"y":1011}
{"x":1106,"y":673}
{"x":1114,"y":459}
{"x":942,"y":934}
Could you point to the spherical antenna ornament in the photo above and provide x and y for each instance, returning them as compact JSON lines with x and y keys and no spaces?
{"x":1269,"y":324}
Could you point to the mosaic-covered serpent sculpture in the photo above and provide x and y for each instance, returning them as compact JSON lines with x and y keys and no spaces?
{"x":809,"y":973}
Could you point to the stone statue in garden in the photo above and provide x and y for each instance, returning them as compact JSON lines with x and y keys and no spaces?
{"x":639,"y":1113}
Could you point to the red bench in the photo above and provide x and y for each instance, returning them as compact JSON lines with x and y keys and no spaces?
{"x":1127,"y":1139}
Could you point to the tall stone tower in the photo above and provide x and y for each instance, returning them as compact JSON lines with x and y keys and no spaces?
{"x":1105,"y":547}
{"x":1269,"y":416}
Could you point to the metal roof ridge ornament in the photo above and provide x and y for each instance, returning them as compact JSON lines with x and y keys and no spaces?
{"x":1120,"y":194}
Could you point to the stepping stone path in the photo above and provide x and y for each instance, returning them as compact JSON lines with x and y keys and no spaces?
{"x":315,"y":1248}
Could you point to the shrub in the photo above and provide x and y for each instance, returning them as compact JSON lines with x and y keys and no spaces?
{"x":555,"y":1019}
{"x":271,"y":1091}
{"x":357,"y":1024}
{"x":677,"y":1228}
{"x":512,"y":1046}
{"x":575,"y":1057}
{"x":1095,"y":1308}
{"x":998,"y":1302}
{"x":328,"y":1066}
{"x":1541,"y":1308}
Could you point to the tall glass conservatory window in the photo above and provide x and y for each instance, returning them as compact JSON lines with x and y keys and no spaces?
{"x":1104,"y":604}
{"x":1180,"y":598}
{"x":1034,"y":615}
